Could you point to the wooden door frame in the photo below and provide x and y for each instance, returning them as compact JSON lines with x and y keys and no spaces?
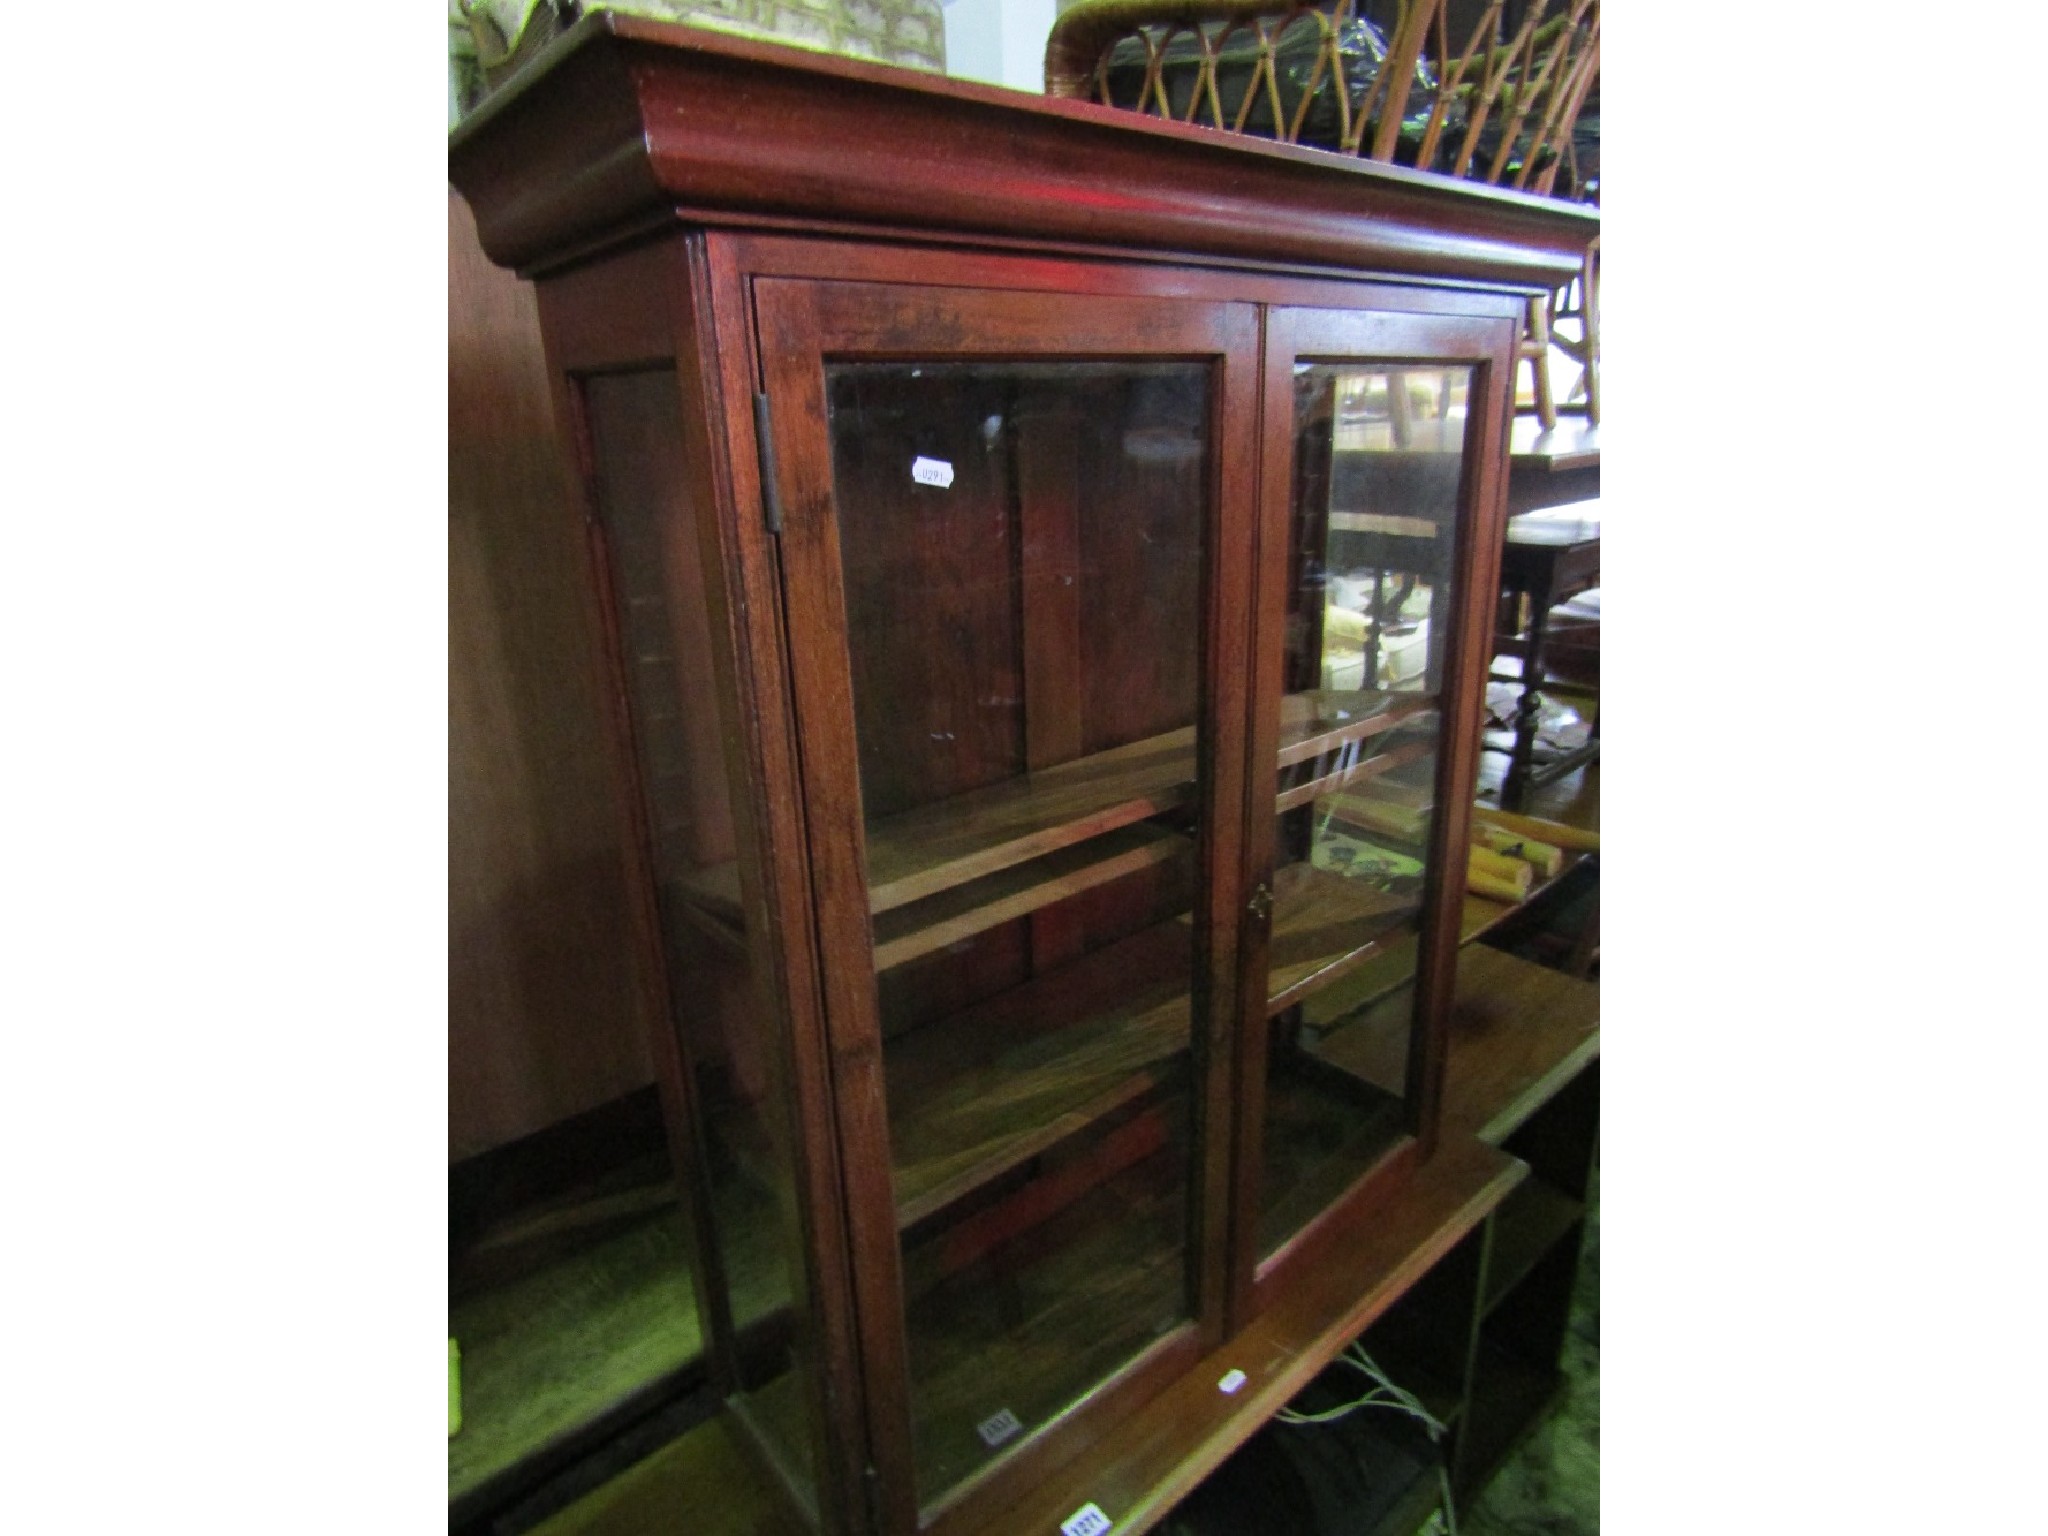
{"x":800,"y":323}
{"x":1370,"y":337}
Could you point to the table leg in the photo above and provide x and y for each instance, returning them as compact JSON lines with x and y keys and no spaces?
{"x":1514,"y":789}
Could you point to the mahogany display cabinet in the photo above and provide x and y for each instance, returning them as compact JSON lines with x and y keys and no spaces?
{"x":989,"y":498}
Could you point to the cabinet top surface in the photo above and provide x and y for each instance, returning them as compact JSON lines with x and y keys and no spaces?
{"x":625,"y":124}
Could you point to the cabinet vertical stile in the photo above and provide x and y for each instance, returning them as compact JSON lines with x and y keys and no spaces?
{"x":1376,"y":552}
{"x":1016,"y":574}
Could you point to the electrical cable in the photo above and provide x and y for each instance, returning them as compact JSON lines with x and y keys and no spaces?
{"x":1385,"y":1393}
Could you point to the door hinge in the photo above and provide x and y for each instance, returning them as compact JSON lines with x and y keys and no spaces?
{"x":764,"y":442}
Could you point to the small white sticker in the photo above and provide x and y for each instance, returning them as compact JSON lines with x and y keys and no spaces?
{"x":1088,"y":1520}
{"x":931,"y":472}
{"x":997,"y":1428}
{"x":1231,"y":1382}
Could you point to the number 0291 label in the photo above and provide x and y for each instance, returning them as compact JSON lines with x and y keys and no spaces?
{"x":931,"y":472}
{"x":1088,"y":1520}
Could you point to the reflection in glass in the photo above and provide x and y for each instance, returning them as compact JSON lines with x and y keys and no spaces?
{"x":1379,"y":452}
{"x":658,"y":588}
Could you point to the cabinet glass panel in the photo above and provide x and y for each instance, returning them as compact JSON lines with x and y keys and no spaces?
{"x":1022,"y":556}
{"x":657,"y":584}
{"x":1378,"y":456}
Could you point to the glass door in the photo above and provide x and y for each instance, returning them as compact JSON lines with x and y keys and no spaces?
{"x":1016,"y":558}
{"x":1381,"y":526}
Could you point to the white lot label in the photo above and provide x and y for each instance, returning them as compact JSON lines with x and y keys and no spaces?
{"x":1088,"y":1520}
{"x":997,"y":1428}
{"x":931,"y":472}
{"x":1230,"y":1383}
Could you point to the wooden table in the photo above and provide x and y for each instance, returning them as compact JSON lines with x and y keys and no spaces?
{"x":1483,"y":1335}
{"x":1553,"y":468}
{"x":1549,"y":558}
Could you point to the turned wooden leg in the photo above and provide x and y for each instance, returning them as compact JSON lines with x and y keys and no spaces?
{"x":1515,"y":789}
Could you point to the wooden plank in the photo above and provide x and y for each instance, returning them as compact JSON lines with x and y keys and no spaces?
{"x":1326,"y":925}
{"x":974,"y":1096}
{"x":1518,"y":1033}
{"x":948,"y":842}
{"x":1378,"y":763}
{"x":1392,"y":965}
{"x":1323,"y":720}
{"x":905,"y":933}
{"x":923,"y":852}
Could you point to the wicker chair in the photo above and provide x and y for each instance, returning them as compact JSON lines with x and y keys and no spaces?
{"x":1505,"y":108}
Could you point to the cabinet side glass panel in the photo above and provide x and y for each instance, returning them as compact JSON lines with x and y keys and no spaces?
{"x":658,"y":591}
{"x":1022,"y":555}
{"x":1379,"y":456}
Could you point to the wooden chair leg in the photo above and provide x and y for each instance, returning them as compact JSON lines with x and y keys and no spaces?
{"x":1589,"y":302}
{"x":1536,"y":351}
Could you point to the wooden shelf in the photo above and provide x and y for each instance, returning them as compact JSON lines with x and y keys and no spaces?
{"x":1528,"y":1225}
{"x":975,"y":1095}
{"x":1391,"y":967}
{"x":1325,"y":926}
{"x":1352,"y":772}
{"x":1035,"y":1324}
{"x":905,"y":933}
{"x":949,"y":842}
{"x":1019,"y":826}
{"x":1324,"y":719}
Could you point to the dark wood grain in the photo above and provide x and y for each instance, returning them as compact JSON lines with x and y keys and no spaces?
{"x":778,"y":885}
{"x":1326,"y":925}
{"x":992,"y":986}
{"x":906,"y":933}
{"x":1000,"y":1083}
{"x":942,"y":844}
{"x":801,"y":323}
{"x":621,"y":123}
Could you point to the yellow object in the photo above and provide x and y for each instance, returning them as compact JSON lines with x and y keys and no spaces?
{"x":1343,"y":624}
{"x":1547,"y":857}
{"x":1480,"y":883}
{"x":1512,"y":874}
{"x":454,"y":1389}
{"x":1553,"y":832}
{"x":1501,"y":867}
